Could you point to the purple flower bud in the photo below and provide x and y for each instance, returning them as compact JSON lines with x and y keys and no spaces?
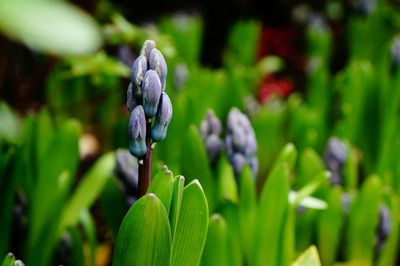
{"x":151,"y":88}
{"x":210,"y":125}
{"x":334,"y":159}
{"x":157,"y":63}
{"x":131,"y":102}
{"x":137,"y":132}
{"x":213,"y":146}
{"x":384,"y":227}
{"x":251,"y":145}
{"x":139,"y":69}
{"x":364,"y":7}
{"x":229,"y":145}
{"x":126,"y":170}
{"x":147,"y":47}
{"x":180,"y":76}
{"x":237,"y":160}
{"x":253,"y":163}
{"x":395,"y":55}
{"x":163,"y":118}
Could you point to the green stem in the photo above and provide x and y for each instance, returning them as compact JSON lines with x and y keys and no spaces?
{"x":145,"y":166}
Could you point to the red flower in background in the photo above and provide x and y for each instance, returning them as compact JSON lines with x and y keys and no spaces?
{"x":272,"y":85}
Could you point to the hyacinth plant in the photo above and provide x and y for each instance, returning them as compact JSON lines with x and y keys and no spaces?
{"x":146,"y":99}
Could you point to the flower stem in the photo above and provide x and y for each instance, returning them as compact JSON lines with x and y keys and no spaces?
{"x":145,"y":167}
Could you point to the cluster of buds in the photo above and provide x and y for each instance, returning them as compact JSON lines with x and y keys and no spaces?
{"x":146,"y":98}
{"x":384,"y":227}
{"x":126,"y":170}
{"x":335,"y":157}
{"x":211,"y":130}
{"x":364,"y":7}
{"x":240,"y":142}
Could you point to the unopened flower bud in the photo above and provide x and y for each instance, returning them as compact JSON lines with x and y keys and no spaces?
{"x":384,"y":227}
{"x":180,"y":76}
{"x":253,"y":163}
{"x":137,"y":132}
{"x":395,"y":55}
{"x":213,"y":146}
{"x":163,"y":118}
{"x":157,"y":63}
{"x":147,"y":47}
{"x":126,"y":169}
{"x":210,"y":125}
{"x":139,"y":69}
{"x":237,"y":160}
{"x":131,"y":101}
{"x":334,"y":159}
{"x":151,"y":88}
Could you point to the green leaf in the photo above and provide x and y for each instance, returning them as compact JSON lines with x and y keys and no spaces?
{"x":363,"y":219}
{"x":310,"y":164}
{"x":56,"y":27}
{"x":308,"y":258}
{"x":88,"y":190}
{"x":194,"y":162}
{"x":8,"y":260}
{"x":329,"y":225}
{"x":230,"y":212}
{"x":288,"y":155}
{"x":162,"y":186}
{"x":247,"y":211}
{"x":176,"y":202}
{"x":10,"y":124}
{"x":191,"y":230}
{"x":144,"y":237}
{"x":89,"y":229}
{"x":227,"y":188}
{"x":216,"y":248}
{"x":272,"y":210}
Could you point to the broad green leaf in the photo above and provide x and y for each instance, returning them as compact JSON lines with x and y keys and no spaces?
{"x":191,"y":230}
{"x":288,"y":155}
{"x":56,"y":27}
{"x":310,"y":164}
{"x":88,"y":190}
{"x":216,"y":248}
{"x":176,"y":202}
{"x":329,"y":226}
{"x":227,"y":188}
{"x":195,"y":164}
{"x":247,"y":211}
{"x":288,"y":249}
{"x":162,"y":186}
{"x":230,"y":212}
{"x":8,"y":260}
{"x":363,"y":219}
{"x":308,"y":258}
{"x":144,"y":237}
{"x":350,"y":170}
{"x":272,"y":210}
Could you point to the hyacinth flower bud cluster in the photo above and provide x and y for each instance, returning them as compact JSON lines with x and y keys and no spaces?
{"x":126,"y":170}
{"x":240,"y":142}
{"x":395,"y":55}
{"x":335,"y":157}
{"x":146,"y":98}
{"x":384,"y":227}
{"x":211,"y":130}
{"x":364,"y":7}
